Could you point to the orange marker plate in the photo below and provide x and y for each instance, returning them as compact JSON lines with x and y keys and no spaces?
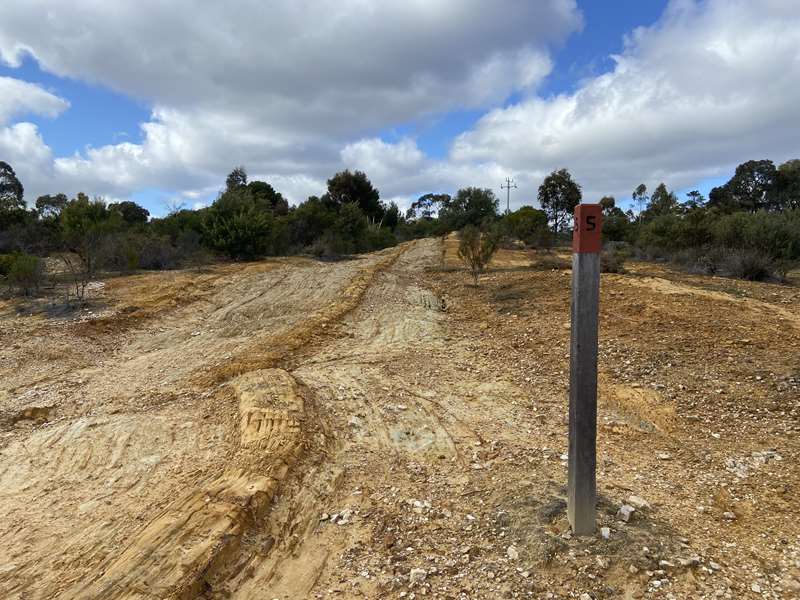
{"x":588,"y":227}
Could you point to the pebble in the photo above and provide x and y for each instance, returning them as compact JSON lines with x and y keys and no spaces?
{"x":638,"y":502}
{"x":342,"y":518}
{"x":417,"y":575}
{"x":512,"y":553}
{"x":692,"y":561}
{"x":605,"y":532}
{"x":625,"y":511}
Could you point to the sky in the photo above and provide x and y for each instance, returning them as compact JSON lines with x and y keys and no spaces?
{"x":157,"y":101}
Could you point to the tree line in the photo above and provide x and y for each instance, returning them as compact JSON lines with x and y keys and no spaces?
{"x":748,"y":227}
{"x":248,"y":220}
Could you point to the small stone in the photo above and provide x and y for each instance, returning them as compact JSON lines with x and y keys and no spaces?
{"x":625,"y":511}
{"x":755,"y":587}
{"x":344,"y":517}
{"x":729,"y":516}
{"x":605,"y":532}
{"x":692,"y":561}
{"x":714,"y":566}
{"x":638,"y":502}
{"x":633,"y":569}
{"x":512,"y":553}
{"x":664,"y":456}
{"x":585,"y":596}
{"x":417,"y":575}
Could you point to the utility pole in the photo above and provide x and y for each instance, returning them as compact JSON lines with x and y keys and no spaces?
{"x":507,"y":187}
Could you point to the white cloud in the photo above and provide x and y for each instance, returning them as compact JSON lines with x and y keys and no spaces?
{"x":295,"y":98}
{"x":23,"y":148}
{"x":710,"y":85}
{"x":21,"y":144}
{"x":379,"y":158}
{"x":20,"y":97}
{"x":282,"y":86}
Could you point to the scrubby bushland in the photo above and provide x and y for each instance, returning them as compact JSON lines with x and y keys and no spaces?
{"x":759,"y":246}
{"x":750,"y":227}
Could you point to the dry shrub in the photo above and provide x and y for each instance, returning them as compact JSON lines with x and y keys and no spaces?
{"x":476,"y":250}
{"x":750,"y":264}
{"x":551,"y":262}
{"x":613,"y":257}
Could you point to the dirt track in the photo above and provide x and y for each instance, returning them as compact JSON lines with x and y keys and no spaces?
{"x":377,"y":427}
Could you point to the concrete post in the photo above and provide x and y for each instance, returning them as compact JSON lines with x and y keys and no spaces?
{"x":582,"y":486}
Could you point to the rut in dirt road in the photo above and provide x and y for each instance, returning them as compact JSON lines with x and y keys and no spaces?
{"x":148,"y":476}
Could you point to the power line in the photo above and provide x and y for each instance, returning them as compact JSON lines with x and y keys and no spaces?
{"x":507,"y":187}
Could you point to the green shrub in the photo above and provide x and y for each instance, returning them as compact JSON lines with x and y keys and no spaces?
{"x":237,"y":226}
{"x":776,"y":235}
{"x":378,"y":239}
{"x":6,"y":260}
{"x":526,"y":224}
{"x":24,"y":272}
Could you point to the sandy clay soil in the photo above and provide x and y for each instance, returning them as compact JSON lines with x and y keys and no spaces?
{"x":380,"y":428}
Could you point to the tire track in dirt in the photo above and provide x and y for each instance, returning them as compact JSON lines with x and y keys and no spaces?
{"x":398,"y":318}
{"x":198,"y":542}
{"x":190,"y":541}
{"x":186,"y":550}
{"x":304,"y":334}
